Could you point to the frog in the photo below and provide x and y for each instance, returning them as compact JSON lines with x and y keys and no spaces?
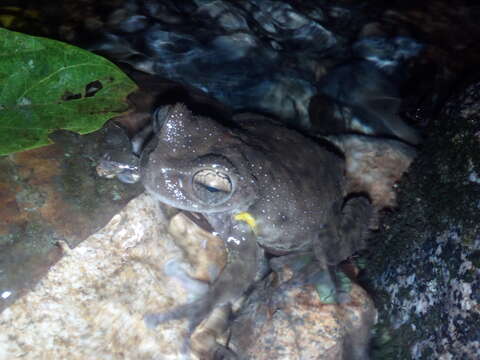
{"x":264,"y":188}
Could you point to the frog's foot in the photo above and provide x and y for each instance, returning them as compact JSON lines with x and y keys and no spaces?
{"x":127,"y":173}
{"x":230,"y":285}
{"x":332,"y":285}
{"x":224,"y":353}
{"x":195,"y":312}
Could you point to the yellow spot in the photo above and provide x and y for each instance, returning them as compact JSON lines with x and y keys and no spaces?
{"x":248,"y":218}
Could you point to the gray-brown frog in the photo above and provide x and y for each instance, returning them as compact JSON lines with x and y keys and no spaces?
{"x":260,"y":186}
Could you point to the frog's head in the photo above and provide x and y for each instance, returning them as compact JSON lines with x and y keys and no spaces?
{"x":197,"y":164}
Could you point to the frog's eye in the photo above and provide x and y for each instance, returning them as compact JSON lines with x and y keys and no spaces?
{"x":212,"y":186}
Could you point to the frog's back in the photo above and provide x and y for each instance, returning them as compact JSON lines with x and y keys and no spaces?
{"x":300,"y":181}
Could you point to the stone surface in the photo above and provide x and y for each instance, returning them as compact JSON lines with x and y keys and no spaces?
{"x":263,"y":56}
{"x":426,"y":276}
{"x":425,"y":268}
{"x":374,"y":166}
{"x":92,"y":302}
{"x":53,"y":194}
{"x":285,"y":319}
{"x":234,"y":51}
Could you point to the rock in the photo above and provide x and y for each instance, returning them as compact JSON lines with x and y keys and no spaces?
{"x":285,"y":319}
{"x":202,"y":250}
{"x":425,"y":266}
{"x":258,"y":55}
{"x":92,"y":303}
{"x":374,"y":166}
{"x":51,"y":194}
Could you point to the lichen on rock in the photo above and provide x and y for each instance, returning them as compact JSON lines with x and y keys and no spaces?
{"x":424,"y":267}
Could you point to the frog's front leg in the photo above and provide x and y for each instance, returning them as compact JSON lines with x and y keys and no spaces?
{"x":235,"y":278}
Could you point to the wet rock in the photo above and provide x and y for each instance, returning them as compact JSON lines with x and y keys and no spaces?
{"x":92,"y":302}
{"x":267,"y":56}
{"x":263,"y":56}
{"x":203,"y":251}
{"x":254,"y":55}
{"x":365,"y":92}
{"x":284,"y":319}
{"x":375,"y":166}
{"x":425,"y":268}
{"x":53,"y":194}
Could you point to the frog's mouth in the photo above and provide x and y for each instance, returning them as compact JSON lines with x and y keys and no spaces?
{"x":198,"y":219}
{"x":201,"y":221}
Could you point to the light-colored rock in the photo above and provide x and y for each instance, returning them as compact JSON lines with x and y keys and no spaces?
{"x":374,"y":166}
{"x":289,"y":322}
{"x":92,"y":302}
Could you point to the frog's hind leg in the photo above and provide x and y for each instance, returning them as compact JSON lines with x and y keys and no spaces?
{"x":357,"y":215}
{"x":224,"y":353}
{"x":331,"y":284}
{"x":344,"y":234}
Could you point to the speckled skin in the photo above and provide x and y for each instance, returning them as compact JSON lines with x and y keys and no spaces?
{"x":292,"y":186}
{"x":288,"y":182}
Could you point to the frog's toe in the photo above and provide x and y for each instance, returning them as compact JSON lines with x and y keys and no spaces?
{"x":344,"y":286}
{"x":195,"y":311}
{"x":333,"y":287}
{"x":224,"y":353}
{"x":129,"y":176}
{"x":325,"y":287}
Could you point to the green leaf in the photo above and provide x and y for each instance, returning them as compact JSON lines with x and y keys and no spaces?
{"x":46,"y":85}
